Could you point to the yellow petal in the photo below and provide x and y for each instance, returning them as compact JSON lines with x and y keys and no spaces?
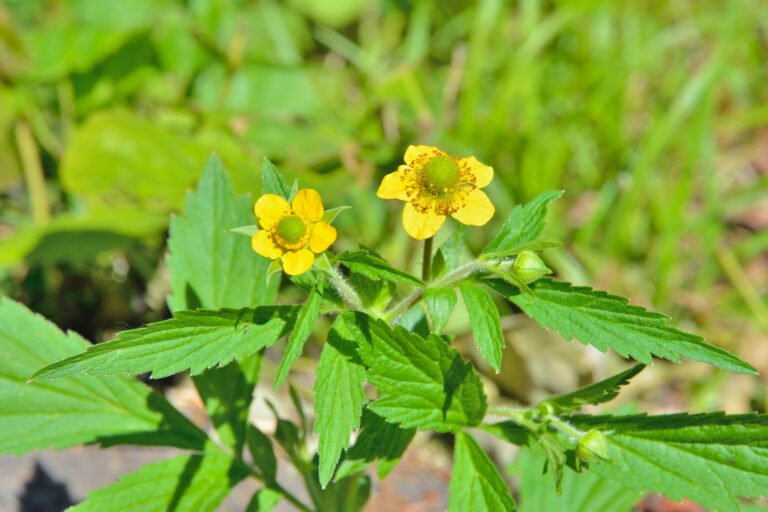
{"x":413,"y":153}
{"x":297,"y":262}
{"x":393,"y":185}
{"x":421,"y":225}
{"x":483,"y":173}
{"x":323,"y":235}
{"x":270,"y":208}
{"x":308,"y":205}
{"x":262,"y":243}
{"x":477,"y":209}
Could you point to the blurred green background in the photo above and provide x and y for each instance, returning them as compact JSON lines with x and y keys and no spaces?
{"x":653,"y":116}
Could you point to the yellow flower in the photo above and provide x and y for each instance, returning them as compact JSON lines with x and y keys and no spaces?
{"x":434,"y":185}
{"x":292,"y":233}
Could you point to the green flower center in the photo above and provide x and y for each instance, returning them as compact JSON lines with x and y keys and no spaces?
{"x":291,"y":229}
{"x":441,"y":174}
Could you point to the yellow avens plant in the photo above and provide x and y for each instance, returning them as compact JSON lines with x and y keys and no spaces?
{"x":387,"y":367}
{"x":292,"y":232}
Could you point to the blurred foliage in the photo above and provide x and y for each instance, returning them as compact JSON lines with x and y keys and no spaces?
{"x":651,"y":115}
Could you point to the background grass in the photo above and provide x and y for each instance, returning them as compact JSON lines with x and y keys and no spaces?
{"x":652,"y":116}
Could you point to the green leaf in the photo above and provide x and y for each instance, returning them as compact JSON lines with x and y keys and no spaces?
{"x":305,"y":321}
{"x":339,"y":398}
{"x":709,"y":458}
{"x":210,"y":267}
{"x":524,"y":225}
{"x":75,"y":410}
{"x":594,"y":394}
{"x":264,"y":500}
{"x":187,"y":482}
{"x":485,"y":322}
{"x":440,"y":303}
{"x":202,"y":239}
{"x":378,"y":440}
{"x":194,"y":340}
{"x":448,"y":256}
{"x":580,"y":492}
{"x":475,"y":482}
{"x":421,"y":382}
{"x":556,"y":457}
{"x":273,"y":180}
{"x":262,"y":452}
{"x":605,"y":320}
{"x":373,"y":266}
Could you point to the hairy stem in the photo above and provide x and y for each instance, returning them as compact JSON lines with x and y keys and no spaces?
{"x":346,"y":290}
{"x":448,"y":279}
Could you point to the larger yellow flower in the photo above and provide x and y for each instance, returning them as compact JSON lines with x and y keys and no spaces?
{"x":435,"y":185}
{"x":293,"y":233}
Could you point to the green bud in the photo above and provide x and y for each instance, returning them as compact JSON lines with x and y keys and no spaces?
{"x":529,"y":267}
{"x":593,"y":446}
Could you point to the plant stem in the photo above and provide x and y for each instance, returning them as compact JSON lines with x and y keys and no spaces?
{"x":33,"y":173}
{"x":426,"y":262}
{"x":448,"y":279}
{"x":296,"y":502}
{"x":519,"y":416}
{"x":565,"y":427}
{"x":346,"y":291}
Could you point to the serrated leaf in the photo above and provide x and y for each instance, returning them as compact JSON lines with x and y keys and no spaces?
{"x":373,"y":266}
{"x":608,"y":321}
{"x":339,"y":398}
{"x":305,"y":322}
{"x":262,"y":452}
{"x":440,"y":304}
{"x":273,"y":181}
{"x":597,"y":393}
{"x":227,"y":392}
{"x":485,"y":322}
{"x":210,"y":267}
{"x":378,"y":440}
{"x":194,"y":340}
{"x":421,"y":382}
{"x":475,"y":482}
{"x":234,"y":277}
{"x":709,"y":458}
{"x":187,"y":482}
{"x":524,"y":225}
{"x":75,"y":410}
{"x":556,"y":457}
{"x":580,"y":492}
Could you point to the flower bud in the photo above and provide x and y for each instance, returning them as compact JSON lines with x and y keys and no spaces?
{"x":593,"y":446}
{"x":529,"y":267}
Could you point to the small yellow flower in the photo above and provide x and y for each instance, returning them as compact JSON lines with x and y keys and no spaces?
{"x":434,"y":184}
{"x":293,"y":233}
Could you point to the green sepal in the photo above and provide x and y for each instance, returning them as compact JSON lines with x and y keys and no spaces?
{"x":330,"y":215}
{"x":248,"y":231}
{"x":294,"y":191}
{"x":273,"y":181}
{"x":273,"y":269}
